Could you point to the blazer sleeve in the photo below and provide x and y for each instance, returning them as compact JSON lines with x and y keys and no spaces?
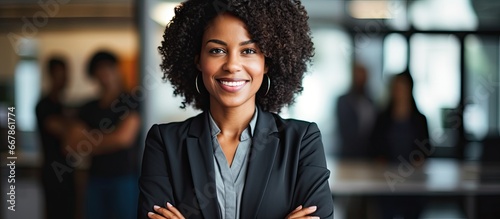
{"x":154,"y":182}
{"x":312,"y":188}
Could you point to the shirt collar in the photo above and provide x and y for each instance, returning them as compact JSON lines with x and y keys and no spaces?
{"x":246,"y":134}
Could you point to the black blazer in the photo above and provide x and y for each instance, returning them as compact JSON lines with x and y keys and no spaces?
{"x":287,"y":168}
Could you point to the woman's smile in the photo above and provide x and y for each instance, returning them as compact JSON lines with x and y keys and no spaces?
{"x":232,"y":85}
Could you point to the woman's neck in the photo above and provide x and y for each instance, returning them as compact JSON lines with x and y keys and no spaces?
{"x":232,"y":121}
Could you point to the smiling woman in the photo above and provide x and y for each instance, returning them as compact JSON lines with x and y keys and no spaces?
{"x":237,"y":159}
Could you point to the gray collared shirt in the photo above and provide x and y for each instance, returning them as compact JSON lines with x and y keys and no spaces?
{"x":230,"y":180}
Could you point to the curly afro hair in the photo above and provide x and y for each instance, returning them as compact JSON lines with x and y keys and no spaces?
{"x":279,"y":27}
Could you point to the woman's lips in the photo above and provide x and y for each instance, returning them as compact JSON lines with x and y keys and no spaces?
{"x":232,"y":85}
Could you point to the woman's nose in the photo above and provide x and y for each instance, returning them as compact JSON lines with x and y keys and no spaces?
{"x":233,"y":63}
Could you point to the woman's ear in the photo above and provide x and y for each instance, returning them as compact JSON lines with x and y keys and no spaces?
{"x":197,"y":62}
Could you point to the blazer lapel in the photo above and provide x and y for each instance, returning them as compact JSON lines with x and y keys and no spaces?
{"x":264,"y":148}
{"x":200,"y":154}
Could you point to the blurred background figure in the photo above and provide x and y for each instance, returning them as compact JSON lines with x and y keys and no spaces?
{"x":401,"y":123}
{"x":394,"y":137}
{"x":356,"y":115}
{"x":111,"y":123}
{"x":59,"y":187}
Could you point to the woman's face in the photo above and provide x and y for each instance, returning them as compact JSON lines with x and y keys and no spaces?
{"x":232,"y":65}
{"x":401,"y":91}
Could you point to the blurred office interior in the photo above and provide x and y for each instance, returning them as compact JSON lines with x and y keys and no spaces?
{"x":450,"y":47}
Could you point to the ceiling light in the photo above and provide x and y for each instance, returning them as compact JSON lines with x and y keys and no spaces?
{"x":377,"y":9}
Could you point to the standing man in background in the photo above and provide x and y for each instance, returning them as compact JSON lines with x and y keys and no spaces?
{"x":59,"y":189}
{"x":356,"y":116}
{"x":113,"y":122}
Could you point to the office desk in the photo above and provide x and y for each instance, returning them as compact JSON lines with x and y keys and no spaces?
{"x":434,"y":176}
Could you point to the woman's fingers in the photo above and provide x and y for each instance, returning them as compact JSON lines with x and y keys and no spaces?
{"x":295,"y":210}
{"x":175,"y":211}
{"x":161,"y":213}
{"x":301,"y":212}
{"x":155,"y":216}
{"x":172,"y":213}
{"x":165,"y":213}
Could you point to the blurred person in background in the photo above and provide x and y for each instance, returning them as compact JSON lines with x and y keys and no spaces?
{"x":356,"y":116}
{"x":59,"y":187}
{"x":401,"y":123}
{"x":111,"y":123}
{"x":395,"y":135}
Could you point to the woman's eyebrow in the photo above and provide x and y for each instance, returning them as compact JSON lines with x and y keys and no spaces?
{"x":217,"y":41}
{"x":247,"y":42}
{"x":225,"y":44}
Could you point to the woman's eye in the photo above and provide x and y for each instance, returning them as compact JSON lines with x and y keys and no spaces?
{"x":216,"y":51}
{"x":249,"y":51}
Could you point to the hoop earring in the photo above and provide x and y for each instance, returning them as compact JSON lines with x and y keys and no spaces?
{"x":268,"y":84}
{"x":196,"y":83}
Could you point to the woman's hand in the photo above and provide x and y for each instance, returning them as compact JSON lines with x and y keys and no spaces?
{"x":301,"y":213}
{"x":172,"y":213}
{"x":165,"y":213}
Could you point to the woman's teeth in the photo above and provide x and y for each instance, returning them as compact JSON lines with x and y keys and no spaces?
{"x":232,"y":83}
